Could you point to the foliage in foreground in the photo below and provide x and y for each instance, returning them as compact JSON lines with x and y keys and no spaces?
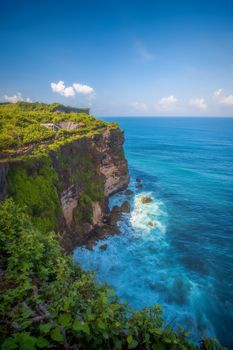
{"x":47,"y":302}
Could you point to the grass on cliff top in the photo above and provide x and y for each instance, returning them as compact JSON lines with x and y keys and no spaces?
{"x":20,"y":125}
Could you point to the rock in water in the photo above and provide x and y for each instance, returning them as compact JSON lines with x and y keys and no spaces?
{"x":129,"y":192}
{"x":150,"y":223}
{"x":138,"y":179}
{"x":115,"y":215}
{"x":125,"y":207}
{"x":116,"y":209}
{"x":139,"y":186}
{"x":103,"y":247}
{"x":146,"y":200}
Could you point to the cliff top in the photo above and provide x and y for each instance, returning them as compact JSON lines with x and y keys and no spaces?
{"x":32,"y":128}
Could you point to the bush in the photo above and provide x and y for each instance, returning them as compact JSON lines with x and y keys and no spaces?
{"x":37,"y":192}
{"x":46,"y":301}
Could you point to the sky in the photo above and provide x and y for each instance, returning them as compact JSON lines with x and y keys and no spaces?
{"x":121,"y":58}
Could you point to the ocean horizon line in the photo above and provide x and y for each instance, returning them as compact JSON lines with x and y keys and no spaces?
{"x":163,"y":117}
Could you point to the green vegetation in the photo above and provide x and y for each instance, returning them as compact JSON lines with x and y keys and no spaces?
{"x":37,"y":192}
{"x":47,"y":302}
{"x":20,"y":126}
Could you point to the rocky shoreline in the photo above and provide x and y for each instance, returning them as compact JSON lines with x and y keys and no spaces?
{"x":110,"y":223}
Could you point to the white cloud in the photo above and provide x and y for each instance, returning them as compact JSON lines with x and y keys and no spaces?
{"x":217,"y":92}
{"x":199,"y":103}
{"x":62,"y":90}
{"x":71,"y":91}
{"x":16,"y":98}
{"x":144,"y":52}
{"x":228,"y":100}
{"x":139,"y":106}
{"x":83,"y":89}
{"x":223,"y":99}
{"x":168,"y":104}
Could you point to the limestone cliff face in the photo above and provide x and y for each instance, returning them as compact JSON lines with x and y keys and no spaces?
{"x":97,"y":162}
{"x":88,"y":171}
{"x":113,"y":165}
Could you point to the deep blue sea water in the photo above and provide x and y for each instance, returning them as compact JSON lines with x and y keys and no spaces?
{"x":184,"y":262}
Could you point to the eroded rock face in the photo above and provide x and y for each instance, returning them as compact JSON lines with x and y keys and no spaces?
{"x":103,"y":156}
{"x":113,"y":165}
{"x":68,"y":203}
{"x":97,"y":217}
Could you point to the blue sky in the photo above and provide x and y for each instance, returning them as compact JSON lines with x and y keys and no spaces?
{"x":120,"y":57}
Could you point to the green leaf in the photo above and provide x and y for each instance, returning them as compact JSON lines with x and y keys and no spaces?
{"x":117,"y":344}
{"x":101,"y":324}
{"x":167,"y":340}
{"x":25,"y":324}
{"x":45,"y":328}
{"x":158,"y":331}
{"x":57,"y":335}
{"x":129,"y":339}
{"x":26,"y":341}
{"x":81,"y":326}
{"x":27,"y":285}
{"x":26,"y":313}
{"x":90,"y":317}
{"x":133,"y":344}
{"x":77,"y":326}
{"x":9,"y":344}
{"x":86,"y":328}
{"x":42,"y":342}
{"x":64,"y":319}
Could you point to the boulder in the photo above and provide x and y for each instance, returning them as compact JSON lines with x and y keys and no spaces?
{"x":103,"y":247}
{"x":150,"y":223}
{"x":129,"y":192}
{"x":125,"y":207}
{"x":115,"y":215}
{"x":146,"y":199}
{"x":115,"y":209}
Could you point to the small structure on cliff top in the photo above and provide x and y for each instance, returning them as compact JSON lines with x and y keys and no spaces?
{"x":63,"y":125}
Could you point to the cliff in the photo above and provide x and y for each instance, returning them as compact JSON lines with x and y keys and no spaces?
{"x":61,"y":180}
{"x":66,"y":187}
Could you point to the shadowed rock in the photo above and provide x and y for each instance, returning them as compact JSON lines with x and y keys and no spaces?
{"x":125,"y":207}
{"x":129,"y":192}
{"x":103,"y":247}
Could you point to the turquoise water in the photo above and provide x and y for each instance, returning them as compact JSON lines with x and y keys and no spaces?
{"x":184,"y":262}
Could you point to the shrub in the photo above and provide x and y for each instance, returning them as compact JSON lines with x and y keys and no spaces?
{"x":47,"y":302}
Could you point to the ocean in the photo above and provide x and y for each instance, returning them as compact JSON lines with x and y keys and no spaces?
{"x":184,"y":261}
